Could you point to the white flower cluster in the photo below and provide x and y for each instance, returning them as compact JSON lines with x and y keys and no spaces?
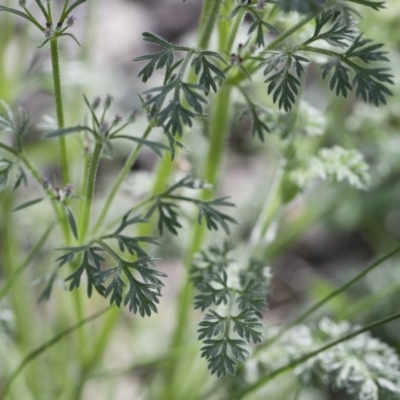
{"x":364,"y":367}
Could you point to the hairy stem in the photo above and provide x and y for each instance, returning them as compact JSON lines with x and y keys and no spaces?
{"x":87,"y":202}
{"x":121,"y":176}
{"x":55,"y":61}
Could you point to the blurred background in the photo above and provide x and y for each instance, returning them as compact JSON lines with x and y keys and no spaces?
{"x":324,"y":237}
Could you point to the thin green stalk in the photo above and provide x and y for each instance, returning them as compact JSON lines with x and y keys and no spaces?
{"x":234,"y":30}
{"x":292,"y":364}
{"x":267,"y":214}
{"x":9,"y":149}
{"x":64,"y":9}
{"x":255,"y":65}
{"x":101,"y":341}
{"x":45,"y":346}
{"x":329,"y":297}
{"x":55,"y":60}
{"x":12,"y":278}
{"x":218,"y":128}
{"x":207,"y":22}
{"x":59,"y":213}
{"x":208,"y":19}
{"x":367,"y":303}
{"x":87,"y":202}
{"x":121,"y":176}
{"x":19,"y":298}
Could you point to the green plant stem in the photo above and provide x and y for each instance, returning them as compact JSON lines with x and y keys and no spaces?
{"x":87,"y":202}
{"x":267,"y":215}
{"x":33,"y":19}
{"x":207,"y":22}
{"x":234,"y":30}
{"x":9,"y":149}
{"x":329,"y":297}
{"x":121,"y":176}
{"x":367,"y":303}
{"x":292,"y":364}
{"x":208,"y":19}
{"x":45,"y":346}
{"x":240,"y":76}
{"x":55,"y":61}
{"x":218,"y":128}
{"x":11,"y":279}
{"x":59,"y":213}
{"x":19,"y":298}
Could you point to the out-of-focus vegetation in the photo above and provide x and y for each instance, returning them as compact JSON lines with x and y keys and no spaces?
{"x":316,"y":200}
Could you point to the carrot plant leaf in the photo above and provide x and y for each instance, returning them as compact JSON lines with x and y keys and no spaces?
{"x":283,"y":84}
{"x":227,"y":333}
{"x":167,"y":208}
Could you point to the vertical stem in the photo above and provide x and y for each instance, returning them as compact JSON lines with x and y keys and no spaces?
{"x":218,"y":128}
{"x":267,"y":214}
{"x":55,"y":60}
{"x":121,"y":176}
{"x":208,"y":18}
{"x":86,"y":208}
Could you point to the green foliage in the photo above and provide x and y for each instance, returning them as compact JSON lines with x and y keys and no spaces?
{"x":243,"y":293}
{"x":166,"y":205}
{"x":142,"y":295}
{"x":284,"y":85}
{"x":186,"y":99}
{"x":113,"y":258}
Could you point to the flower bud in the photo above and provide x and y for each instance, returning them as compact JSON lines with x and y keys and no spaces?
{"x":70,"y":20}
{"x":46,"y":184}
{"x":96,"y":102}
{"x":133,"y":115}
{"x":22,"y":3}
{"x":117,"y":119}
{"x":107,"y":102}
{"x":48,"y":32}
{"x":104,"y":128}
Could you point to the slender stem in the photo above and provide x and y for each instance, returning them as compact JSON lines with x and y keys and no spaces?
{"x":234,"y":30}
{"x":64,"y":7}
{"x":33,"y":19}
{"x":11,"y":279}
{"x":208,"y":18}
{"x":45,"y":346}
{"x":87,"y":201}
{"x":255,"y":65}
{"x":292,"y":364}
{"x":218,"y":128}
{"x":367,"y":303}
{"x":60,"y":215}
{"x":9,"y":149}
{"x":121,"y":176}
{"x":267,"y":214}
{"x":55,"y":60}
{"x":329,"y":297}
